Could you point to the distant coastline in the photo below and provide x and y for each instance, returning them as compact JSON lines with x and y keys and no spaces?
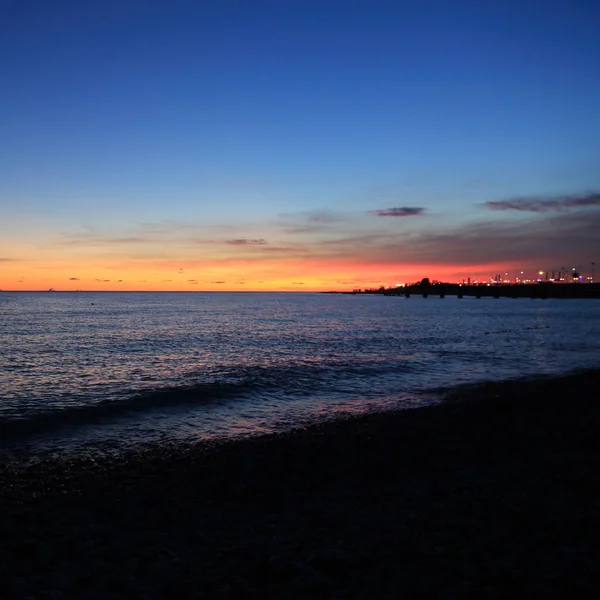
{"x":541,"y":290}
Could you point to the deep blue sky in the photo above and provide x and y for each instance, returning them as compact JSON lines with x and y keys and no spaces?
{"x":244,"y":114}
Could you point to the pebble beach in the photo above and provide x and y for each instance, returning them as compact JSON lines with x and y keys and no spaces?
{"x":492,"y":493}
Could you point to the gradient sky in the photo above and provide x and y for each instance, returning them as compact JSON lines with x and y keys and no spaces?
{"x":296,"y":145}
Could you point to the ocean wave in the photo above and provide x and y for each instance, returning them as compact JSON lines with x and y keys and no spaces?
{"x":17,"y":429}
{"x":239,"y":384}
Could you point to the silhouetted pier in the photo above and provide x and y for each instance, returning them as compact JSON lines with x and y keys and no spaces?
{"x":534,"y":290}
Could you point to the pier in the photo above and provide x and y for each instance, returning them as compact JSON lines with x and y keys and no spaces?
{"x":540,"y":290}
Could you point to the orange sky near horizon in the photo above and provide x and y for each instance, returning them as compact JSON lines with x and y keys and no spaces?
{"x":332,"y":252}
{"x":284,"y":276}
{"x":305,"y":251}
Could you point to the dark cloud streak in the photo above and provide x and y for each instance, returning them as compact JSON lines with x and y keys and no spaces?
{"x":401,"y":211}
{"x":540,"y":205}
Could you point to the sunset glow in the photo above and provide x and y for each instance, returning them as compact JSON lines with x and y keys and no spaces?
{"x":296,"y":146}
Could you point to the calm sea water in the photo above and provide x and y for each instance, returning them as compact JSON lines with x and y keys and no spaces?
{"x":115,"y":370}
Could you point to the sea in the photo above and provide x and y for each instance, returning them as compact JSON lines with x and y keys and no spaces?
{"x":110,"y":372}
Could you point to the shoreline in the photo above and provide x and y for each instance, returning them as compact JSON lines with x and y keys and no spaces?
{"x":23,"y":443}
{"x":492,"y":492}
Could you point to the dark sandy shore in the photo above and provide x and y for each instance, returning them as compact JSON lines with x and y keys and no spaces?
{"x":494,"y":494}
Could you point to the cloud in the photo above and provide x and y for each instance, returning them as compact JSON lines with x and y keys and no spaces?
{"x":307,"y":229}
{"x":285,"y":250}
{"x":401,"y":211}
{"x":317,"y":221}
{"x":546,"y":243}
{"x":8,"y":259}
{"x":545,"y":204}
{"x":176,"y":229}
{"x":323,"y":216}
{"x":298,"y":283}
{"x":366,"y":239}
{"x":246,"y":242}
{"x":217,"y":282}
{"x":73,"y":278}
{"x":138,"y":236}
{"x":102,"y":280}
{"x":89,"y":240}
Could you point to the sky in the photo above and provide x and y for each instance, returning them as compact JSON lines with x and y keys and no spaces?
{"x":296,"y":145}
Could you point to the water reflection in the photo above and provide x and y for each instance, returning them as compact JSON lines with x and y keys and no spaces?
{"x":205,"y":365}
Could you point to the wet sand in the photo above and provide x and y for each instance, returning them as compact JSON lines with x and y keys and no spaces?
{"x":493,"y":494}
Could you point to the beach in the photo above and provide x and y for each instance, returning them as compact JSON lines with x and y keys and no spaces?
{"x":493,"y":493}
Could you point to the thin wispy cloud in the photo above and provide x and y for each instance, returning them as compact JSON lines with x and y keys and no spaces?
{"x":172,"y":228}
{"x":544,"y":204}
{"x":246,"y":242}
{"x":309,"y":222}
{"x":284,"y":250}
{"x":324,"y":217}
{"x":73,"y":278}
{"x":358,"y":241}
{"x":400,"y":211}
{"x":143,"y":234}
{"x":89,"y":240}
{"x":307,"y":229}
